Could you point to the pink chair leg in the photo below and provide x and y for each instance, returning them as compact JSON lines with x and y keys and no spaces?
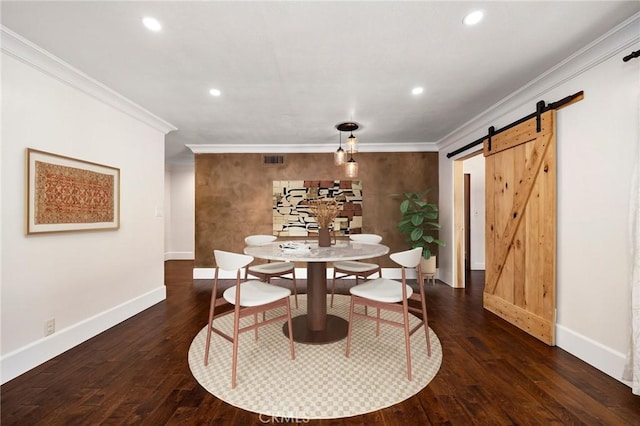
{"x":295,"y":287}
{"x":234,"y":360}
{"x":407,"y":337}
{"x":293,"y":355}
{"x":350,"y":326}
{"x":365,"y":306}
{"x":425,"y":320}
{"x":212,"y":307}
{"x":333,"y":287}
{"x":255,"y":321}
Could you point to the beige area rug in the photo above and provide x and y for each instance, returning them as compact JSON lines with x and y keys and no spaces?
{"x":321,"y":383}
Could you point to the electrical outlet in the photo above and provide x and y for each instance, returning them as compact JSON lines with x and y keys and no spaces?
{"x":50,"y":327}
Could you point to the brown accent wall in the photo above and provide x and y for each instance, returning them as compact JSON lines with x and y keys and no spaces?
{"x":233,"y":194}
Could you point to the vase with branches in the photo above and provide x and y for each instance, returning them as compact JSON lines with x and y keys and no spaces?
{"x":325,"y":210}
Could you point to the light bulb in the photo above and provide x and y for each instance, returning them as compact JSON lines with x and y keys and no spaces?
{"x":339,"y":157}
{"x":352,"y":144}
{"x":352,"y":168}
{"x":473,"y":18}
{"x":151,"y":23}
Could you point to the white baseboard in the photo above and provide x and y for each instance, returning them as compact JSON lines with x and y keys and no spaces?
{"x":593,"y":353}
{"x":24,"y":359}
{"x":204,"y":273}
{"x":301,"y":273}
{"x":477,"y":266}
{"x":396,"y":273}
{"x":179,"y":255}
{"x":208,"y":274}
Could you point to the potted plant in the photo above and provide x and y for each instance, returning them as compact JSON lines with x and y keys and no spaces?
{"x":419,"y":224}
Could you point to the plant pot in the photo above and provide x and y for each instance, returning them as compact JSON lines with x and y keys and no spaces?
{"x":428,"y":266}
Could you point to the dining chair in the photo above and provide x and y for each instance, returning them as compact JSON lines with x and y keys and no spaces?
{"x":392,"y":295}
{"x":266,"y":271}
{"x":249,"y":298}
{"x":356,"y":268}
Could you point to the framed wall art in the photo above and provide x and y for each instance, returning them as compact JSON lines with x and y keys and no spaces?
{"x":291,"y":213}
{"x":66,"y":194}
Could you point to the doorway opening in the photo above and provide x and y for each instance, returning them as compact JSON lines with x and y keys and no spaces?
{"x":469,"y":210}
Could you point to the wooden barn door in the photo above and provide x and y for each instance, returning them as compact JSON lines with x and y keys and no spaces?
{"x":521,"y":226}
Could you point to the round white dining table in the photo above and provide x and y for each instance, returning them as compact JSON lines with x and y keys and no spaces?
{"x":317,"y":326}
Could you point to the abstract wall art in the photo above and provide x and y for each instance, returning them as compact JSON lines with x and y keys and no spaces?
{"x":291,"y":213}
{"x":66,"y":194}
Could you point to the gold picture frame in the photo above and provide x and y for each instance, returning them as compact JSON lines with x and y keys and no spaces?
{"x":66,"y":194}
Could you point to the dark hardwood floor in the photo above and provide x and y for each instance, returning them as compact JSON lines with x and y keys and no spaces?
{"x":491,"y":374}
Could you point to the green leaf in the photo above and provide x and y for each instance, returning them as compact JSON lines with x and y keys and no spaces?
{"x":405,"y":225}
{"x":404,"y":206}
{"x":416,"y":234}
{"x":439,"y":242}
{"x":404,"y":221}
{"x":417,"y":219}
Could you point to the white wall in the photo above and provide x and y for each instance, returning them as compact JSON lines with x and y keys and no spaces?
{"x":86,"y":281}
{"x":166,"y":212}
{"x":180,"y":213}
{"x":597,"y":141}
{"x":474,"y":166}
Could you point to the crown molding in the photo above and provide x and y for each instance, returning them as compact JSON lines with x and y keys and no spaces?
{"x":608,"y":45}
{"x":397,"y":147}
{"x":316,"y":148}
{"x":27,"y":52}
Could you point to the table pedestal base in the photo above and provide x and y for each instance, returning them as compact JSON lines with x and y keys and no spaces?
{"x":336,"y":329}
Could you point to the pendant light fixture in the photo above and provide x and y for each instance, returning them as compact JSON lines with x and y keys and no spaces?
{"x":352,"y":168}
{"x":351,"y":165}
{"x":352,"y":143}
{"x":339,"y":156}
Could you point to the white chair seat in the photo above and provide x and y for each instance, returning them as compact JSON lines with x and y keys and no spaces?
{"x":366,"y":238}
{"x":256,"y":293}
{"x":354,"y":266}
{"x":272,"y":268}
{"x":381,"y":290}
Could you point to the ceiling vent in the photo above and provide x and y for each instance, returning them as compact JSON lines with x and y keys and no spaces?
{"x":273,"y":160}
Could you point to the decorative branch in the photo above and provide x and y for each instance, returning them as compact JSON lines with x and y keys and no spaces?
{"x":325,"y":210}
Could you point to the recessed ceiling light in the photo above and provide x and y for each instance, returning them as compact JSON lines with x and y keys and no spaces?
{"x":473,"y":18}
{"x":151,"y":23}
{"x":417,"y":90}
{"x":215,"y":92}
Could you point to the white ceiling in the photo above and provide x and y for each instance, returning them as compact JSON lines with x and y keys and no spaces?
{"x":289,"y":71}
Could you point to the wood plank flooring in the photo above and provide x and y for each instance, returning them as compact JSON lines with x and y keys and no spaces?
{"x":491,"y":374}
